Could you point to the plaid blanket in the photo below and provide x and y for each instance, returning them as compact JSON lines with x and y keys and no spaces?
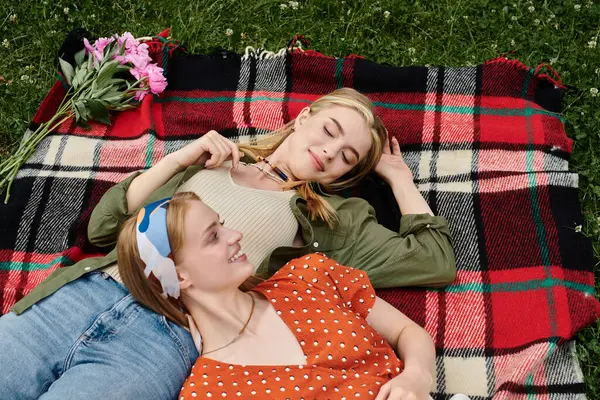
{"x":488,"y":151}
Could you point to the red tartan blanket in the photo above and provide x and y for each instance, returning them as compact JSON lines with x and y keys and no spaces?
{"x":488,"y":151}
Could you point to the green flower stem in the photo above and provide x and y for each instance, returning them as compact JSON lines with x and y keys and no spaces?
{"x":15,"y":162}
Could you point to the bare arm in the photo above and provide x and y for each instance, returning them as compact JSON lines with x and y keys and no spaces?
{"x":211,"y":144}
{"x":413,"y":345}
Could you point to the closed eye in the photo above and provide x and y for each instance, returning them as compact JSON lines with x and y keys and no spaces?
{"x":327,"y":132}
{"x":346,"y":159}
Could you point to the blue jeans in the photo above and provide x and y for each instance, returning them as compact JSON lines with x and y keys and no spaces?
{"x":91,"y":340}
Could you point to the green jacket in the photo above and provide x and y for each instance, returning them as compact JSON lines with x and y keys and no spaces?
{"x":419,"y":255}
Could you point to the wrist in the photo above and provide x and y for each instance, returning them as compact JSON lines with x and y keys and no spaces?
{"x":420,"y":373}
{"x":172,"y":162}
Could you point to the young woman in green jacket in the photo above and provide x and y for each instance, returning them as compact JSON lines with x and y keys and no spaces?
{"x":334,"y":142}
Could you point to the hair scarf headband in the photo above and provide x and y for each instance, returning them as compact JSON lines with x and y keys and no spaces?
{"x":154,"y":248}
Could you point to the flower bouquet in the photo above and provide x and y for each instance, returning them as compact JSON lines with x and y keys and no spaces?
{"x":113,"y":74}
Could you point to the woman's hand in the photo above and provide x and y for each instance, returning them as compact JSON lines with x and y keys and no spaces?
{"x":391,"y":166}
{"x":409,"y":385}
{"x":211,"y":149}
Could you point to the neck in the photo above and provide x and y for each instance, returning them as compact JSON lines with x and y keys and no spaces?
{"x":219,"y":317}
{"x":279,"y":158}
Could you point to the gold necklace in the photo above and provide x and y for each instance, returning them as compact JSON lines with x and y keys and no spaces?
{"x":239,"y":334}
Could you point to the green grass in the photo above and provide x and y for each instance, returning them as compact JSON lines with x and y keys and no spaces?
{"x":447,"y":32}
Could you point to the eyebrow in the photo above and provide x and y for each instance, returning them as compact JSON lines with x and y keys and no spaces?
{"x":339,"y":126}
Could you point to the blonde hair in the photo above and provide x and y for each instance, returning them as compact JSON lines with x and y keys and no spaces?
{"x":318,"y":207}
{"x":147,"y":290}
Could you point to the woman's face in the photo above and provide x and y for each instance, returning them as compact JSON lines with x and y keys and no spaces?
{"x":326,"y":145}
{"x":211,"y":259}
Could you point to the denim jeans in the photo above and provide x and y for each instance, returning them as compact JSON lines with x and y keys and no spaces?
{"x":91,"y":340}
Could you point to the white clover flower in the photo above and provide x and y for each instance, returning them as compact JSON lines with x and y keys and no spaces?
{"x":512,"y":42}
{"x":13,"y":19}
{"x":594,"y":92}
{"x":505,"y":9}
{"x":577,"y":7}
{"x":283,"y":6}
{"x":552,"y":16}
{"x":597,"y":70}
{"x":5,"y":43}
{"x":293,"y":5}
{"x":514,"y":18}
{"x":411,"y":51}
{"x":553,"y":60}
{"x":509,"y":26}
{"x":531,"y":9}
{"x":66,"y":10}
{"x":493,"y":10}
{"x":386,"y":14}
{"x":578,"y":228}
{"x":536,"y":21}
{"x":592,"y":44}
{"x":228,"y":32}
{"x":243,"y":35}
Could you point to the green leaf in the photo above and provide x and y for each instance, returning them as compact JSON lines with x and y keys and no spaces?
{"x":79,"y":56}
{"x":107,"y":71}
{"x":104,"y":119}
{"x":67,"y":70}
{"x":80,"y":73}
{"x":100,"y":93}
{"x":96,"y":108}
{"x":80,"y":109}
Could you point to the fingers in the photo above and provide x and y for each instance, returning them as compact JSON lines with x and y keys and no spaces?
{"x":220,"y":149}
{"x":396,"y":147}
{"x":386,"y":146}
{"x":384,"y":392}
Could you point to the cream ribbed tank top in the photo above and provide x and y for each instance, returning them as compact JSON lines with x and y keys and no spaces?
{"x":263,"y":216}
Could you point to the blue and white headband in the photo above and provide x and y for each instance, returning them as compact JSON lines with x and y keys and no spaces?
{"x":154,"y":248}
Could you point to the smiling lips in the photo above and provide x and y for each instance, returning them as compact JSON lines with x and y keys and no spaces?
{"x":317,"y":162}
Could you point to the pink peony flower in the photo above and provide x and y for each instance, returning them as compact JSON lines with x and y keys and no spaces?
{"x":156,"y":79}
{"x":92,"y":50}
{"x":140,"y":95}
{"x":101,"y":43}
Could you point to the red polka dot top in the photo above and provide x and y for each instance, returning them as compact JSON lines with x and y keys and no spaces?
{"x":325,"y":305}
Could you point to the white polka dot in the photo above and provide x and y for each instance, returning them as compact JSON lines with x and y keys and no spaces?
{"x":330,"y":357}
{"x":273,"y":301}
{"x":342,"y":345}
{"x":224,"y":394}
{"x":340,"y":331}
{"x":268,"y":391}
{"x":238,"y":394}
{"x":316,"y":343}
{"x":263,"y":381}
{"x":277,"y":378}
{"x":297,"y":388}
{"x":253,"y":392}
{"x":220,"y":384}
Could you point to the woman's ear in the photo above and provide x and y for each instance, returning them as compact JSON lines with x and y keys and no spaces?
{"x":301,"y":118}
{"x":184,"y":280}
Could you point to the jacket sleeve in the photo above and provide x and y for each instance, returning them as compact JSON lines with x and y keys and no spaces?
{"x":110,"y":213}
{"x":420,"y":254}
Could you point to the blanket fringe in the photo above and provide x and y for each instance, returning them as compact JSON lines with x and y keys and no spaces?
{"x":263,"y":54}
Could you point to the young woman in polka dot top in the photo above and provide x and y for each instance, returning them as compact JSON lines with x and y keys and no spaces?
{"x":315,"y":329}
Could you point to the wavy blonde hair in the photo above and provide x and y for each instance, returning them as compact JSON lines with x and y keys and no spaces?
{"x":318,"y":207}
